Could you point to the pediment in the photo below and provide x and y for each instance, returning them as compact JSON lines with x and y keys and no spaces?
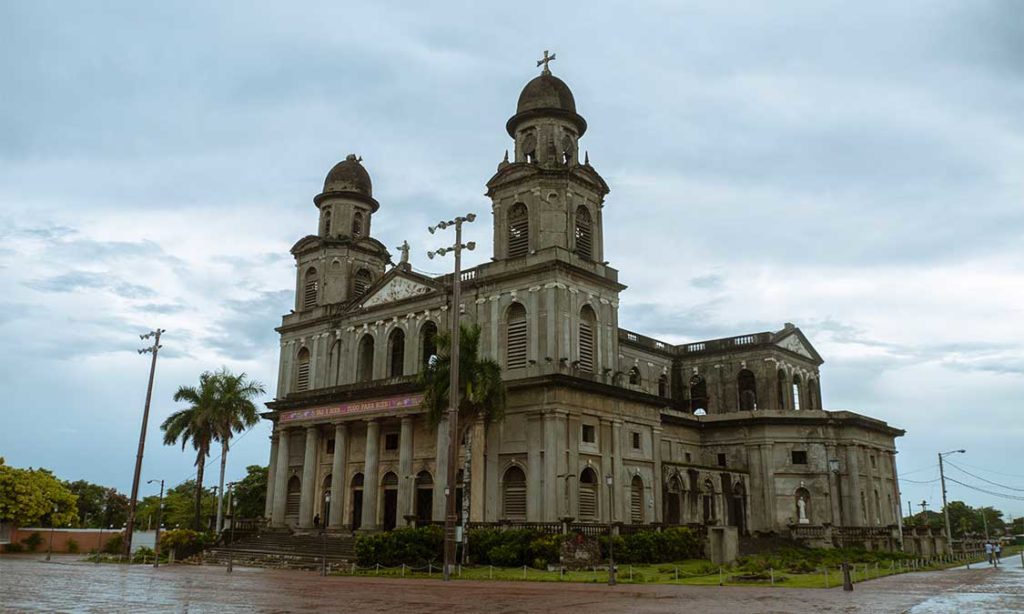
{"x":797,"y":343}
{"x":396,"y":289}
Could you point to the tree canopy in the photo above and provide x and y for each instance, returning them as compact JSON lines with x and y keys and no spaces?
{"x":99,"y":506}
{"x":482,"y":391}
{"x":30,"y":496}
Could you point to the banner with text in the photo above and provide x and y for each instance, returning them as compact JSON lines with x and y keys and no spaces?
{"x":356,"y":407}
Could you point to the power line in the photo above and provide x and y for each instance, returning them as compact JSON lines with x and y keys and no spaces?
{"x":987,"y":492}
{"x":918,"y":470}
{"x":919,"y":482}
{"x":1009,"y":475}
{"x":984,"y":480}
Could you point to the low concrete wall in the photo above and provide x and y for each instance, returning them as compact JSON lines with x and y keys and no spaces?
{"x":89,"y":540}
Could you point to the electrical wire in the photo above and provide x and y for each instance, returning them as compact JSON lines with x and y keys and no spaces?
{"x":919,"y":470}
{"x":1009,"y":475}
{"x":987,"y":492}
{"x":978,"y":477}
{"x":919,"y":482}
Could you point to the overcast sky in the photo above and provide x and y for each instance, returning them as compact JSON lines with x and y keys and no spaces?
{"x":853,"y":168}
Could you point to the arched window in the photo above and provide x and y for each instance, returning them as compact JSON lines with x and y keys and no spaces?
{"x":396,"y":353}
{"x":518,"y":231}
{"x":361,"y":282}
{"x":708,"y":494}
{"x":698,"y":393}
{"x":634,"y":376}
{"x":813,"y":394}
{"x":357,"y":501}
{"x":588,"y":495}
{"x":782,"y":389}
{"x":588,"y":324}
{"x":291,"y":504}
{"x":671,"y":500}
{"x":366,"y":358}
{"x":310,"y":290}
{"x":584,"y":234}
{"x":424,"y":496}
{"x":357,"y":224}
{"x":516,"y":336}
{"x":302,"y":370}
{"x":796,"y":391}
{"x":334,"y":364}
{"x":513,"y":494}
{"x":663,"y":386}
{"x":636,"y":500}
{"x":327,"y":222}
{"x":739,"y":508}
{"x":428,"y":342}
{"x":747,"y":385}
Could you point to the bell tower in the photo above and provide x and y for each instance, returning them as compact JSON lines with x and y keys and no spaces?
{"x":342,"y":260}
{"x":545,"y":198}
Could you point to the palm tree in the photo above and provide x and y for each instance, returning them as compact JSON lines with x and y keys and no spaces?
{"x":234,"y":412}
{"x":481,"y":394}
{"x":193,"y":424}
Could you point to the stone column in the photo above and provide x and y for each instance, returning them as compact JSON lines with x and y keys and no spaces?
{"x":604,"y":437}
{"x":281,"y":477}
{"x":619,"y":502}
{"x":338,"y":482}
{"x":771,"y":515}
{"x":308,"y":478}
{"x":406,"y":481}
{"x":572,"y":433}
{"x":492,"y":503}
{"x":371,"y":481}
{"x":268,"y":509}
{"x":853,"y":493}
{"x":656,"y":455}
{"x":551,"y":493}
{"x":534,"y":468}
{"x":478,"y":483}
{"x":441,"y":469}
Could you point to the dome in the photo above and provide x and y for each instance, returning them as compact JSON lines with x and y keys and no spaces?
{"x":546,"y":92}
{"x":349,"y":179}
{"x":546,"y":96}
{"x":349,"y":176}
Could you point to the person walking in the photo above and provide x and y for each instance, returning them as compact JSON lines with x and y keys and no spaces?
{"x":998,"y":552}
{"x":989,"y":552}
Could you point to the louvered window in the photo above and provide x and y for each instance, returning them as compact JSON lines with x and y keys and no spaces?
{"x":361,"y":283}
{"x":302,"y":371}
{"x":584,"y":234}
{"x":514,"y":494}
{"x":518,"y":231}
{"x":310,"y":290}
{"x":516,"y":338}
{"x":636,"y":501}
{"x":587,"y":339}
{"x":327,"y":222}
{"x":291,"y":507}
{"x":588,"y":495}
{"x":357,"y":224}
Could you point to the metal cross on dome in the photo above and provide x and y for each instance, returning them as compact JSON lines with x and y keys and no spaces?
{"x":547,"y":58}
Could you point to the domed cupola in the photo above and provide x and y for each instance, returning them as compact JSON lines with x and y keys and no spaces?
{"x":349,"y":178}
{"x":546,"y":126}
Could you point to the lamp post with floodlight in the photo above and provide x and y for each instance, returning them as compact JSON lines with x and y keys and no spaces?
{"x":945,"y":508}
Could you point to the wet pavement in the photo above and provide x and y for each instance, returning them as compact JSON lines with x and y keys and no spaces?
{"x":29,"y":584}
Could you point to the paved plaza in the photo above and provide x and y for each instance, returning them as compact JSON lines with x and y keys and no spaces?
{"x":29,"y":584}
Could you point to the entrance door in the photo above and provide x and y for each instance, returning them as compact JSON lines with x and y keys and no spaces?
{"x":424,"y":504}
{"x":357,"y":509}
{"x":390,"y":509}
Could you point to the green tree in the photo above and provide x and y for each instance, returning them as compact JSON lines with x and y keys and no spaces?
{"x":251,"y":492}
{"x":195,"y":424}
{"x":234,"y":412}
{"x":179,"y":506}
{"x":481,"y":395}
{"x":30,"y":496}
{"x":98,"y":505}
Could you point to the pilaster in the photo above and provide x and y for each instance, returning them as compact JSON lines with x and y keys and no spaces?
{"x":308,"y":478}
{"x":338,"y":481}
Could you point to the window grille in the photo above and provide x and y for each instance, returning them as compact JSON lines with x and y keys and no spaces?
{"x":518,"y":231}
{"x":584,"y":234}
{"x":516,"y":337}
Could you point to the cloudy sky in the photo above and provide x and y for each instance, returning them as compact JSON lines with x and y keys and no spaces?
{"x":855,"y":169}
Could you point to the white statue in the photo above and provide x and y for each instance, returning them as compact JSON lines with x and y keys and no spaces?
{"x":801,"y":510}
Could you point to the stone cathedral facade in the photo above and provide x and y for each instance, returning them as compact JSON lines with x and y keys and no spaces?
{"x":724,"y":432}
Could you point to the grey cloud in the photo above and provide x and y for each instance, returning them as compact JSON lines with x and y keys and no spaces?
{"x":249,"y":327}
{"x":707,"y":282}
{"x":86,"y":280}
{"x":160,"y":308}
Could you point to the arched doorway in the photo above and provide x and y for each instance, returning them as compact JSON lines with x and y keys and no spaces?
{"x":389,"y":499}
{"x":671,"y":496}
{"x":291,"y":508}
{"x":588,"y":495}
{"x":708,"y":494}
{"x":325,"y":501}
{"x":739,"y":508}
{"x":357,"y":501}
{"x":424,"y":496}
{"x":747,"y":385}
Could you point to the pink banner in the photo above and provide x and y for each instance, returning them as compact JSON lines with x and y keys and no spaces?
{"x":358,"y":407}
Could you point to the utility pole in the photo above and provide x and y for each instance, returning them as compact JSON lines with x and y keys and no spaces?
{"x":451,"y":516}
{"x":945,"y":507}
{"x":130,"y":525}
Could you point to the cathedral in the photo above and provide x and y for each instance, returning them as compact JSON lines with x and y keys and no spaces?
{"x":603,"y":424}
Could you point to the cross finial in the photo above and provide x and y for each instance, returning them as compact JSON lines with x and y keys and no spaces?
{"x":547,"y":58}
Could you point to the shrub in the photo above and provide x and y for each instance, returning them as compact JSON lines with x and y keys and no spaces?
{"x":13,"y":548}
{"x":674,"y":544}
{"x":143,"y":555}
{"x":72,"y":546}
{"x":505,"y":555}
{"x":415,"y":547}
{"x":33,"y":541}
{"x":114,"y":545}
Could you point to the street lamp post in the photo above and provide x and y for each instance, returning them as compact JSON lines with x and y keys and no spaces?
{"x":130,"y":525}
{"x":945,"y":508}
{"x":611,"y":532}
{"x":231,"y":539}
{"x":49,"y":549}
{"x":159,"y":519}
{"x":451,"y":516}
{"x":323,"y":534}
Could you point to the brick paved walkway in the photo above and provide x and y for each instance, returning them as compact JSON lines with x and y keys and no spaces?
{"x":28,"y":584}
